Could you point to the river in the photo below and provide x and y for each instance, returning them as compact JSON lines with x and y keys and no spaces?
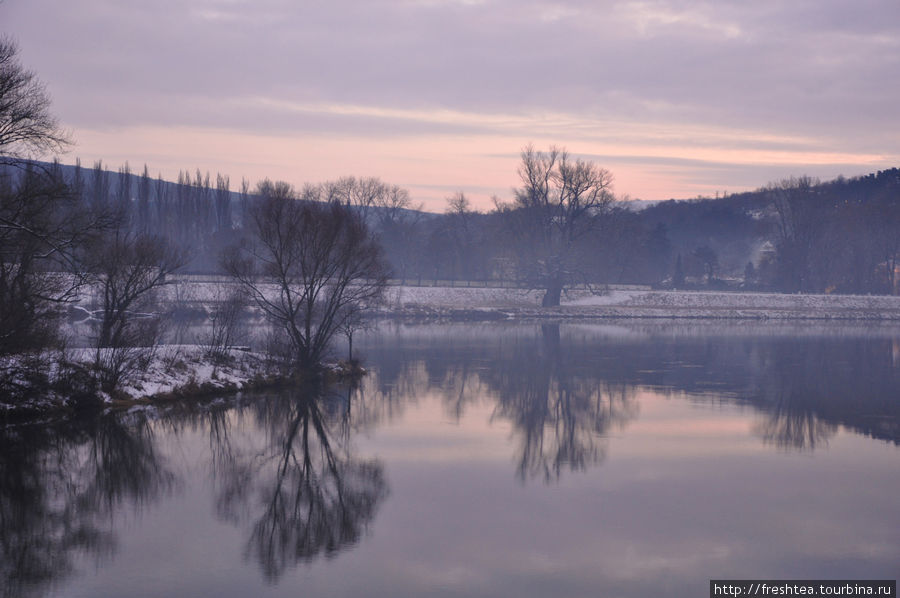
{"x":529,"y":459}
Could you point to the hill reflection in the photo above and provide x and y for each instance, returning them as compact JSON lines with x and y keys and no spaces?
{"x":562,"y":387}
{"x":282,"y":470}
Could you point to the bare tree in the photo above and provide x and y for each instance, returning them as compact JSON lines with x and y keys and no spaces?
{"x":27,"y":128}
{"x":393,"y":203}
{"x":41,"y":228}
{"x":396,"y":223}
{"x":309,"y":267}
{"x":799,"y":211}
{"x":363,"y":193}
{"x":458,"y":228}
{"x":41,"y":221}
{"x":559,"y":204}
{"x":126,"y":267}
{"x":376,"y":201}
{"x":224,"y":323}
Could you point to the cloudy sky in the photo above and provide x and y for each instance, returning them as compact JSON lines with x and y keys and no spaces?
{"x":676,"y":97}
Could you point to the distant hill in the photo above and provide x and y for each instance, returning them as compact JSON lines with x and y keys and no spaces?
{"x":841,"y":235}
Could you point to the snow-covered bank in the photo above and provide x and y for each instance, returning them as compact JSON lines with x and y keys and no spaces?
{"x":201,"y":296}
{"x":491,"y":303}
{"x":39,"y":383}
{"x":186,"y":369}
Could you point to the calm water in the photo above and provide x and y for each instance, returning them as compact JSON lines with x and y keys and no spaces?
{"x":483,"y":460}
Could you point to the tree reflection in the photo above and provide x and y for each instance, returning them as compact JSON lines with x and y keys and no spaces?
{"x":790,"y":428}
{"x":805,"y":396}
{"x":559,"y":404}
{"x":61,"y":485}
{"x":303,"y":491}
{"x":560,"y":418}
{"x":564,"y":387}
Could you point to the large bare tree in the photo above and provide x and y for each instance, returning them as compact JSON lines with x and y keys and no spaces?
{"x":42,"y":221}
{"x":27,"y":127}
{"x":126,"y":267}
{"x":558,"y":205}
{"x":37,"y":244}
{"x":309,"y":266}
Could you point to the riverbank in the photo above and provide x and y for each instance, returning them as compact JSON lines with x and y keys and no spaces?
{"x":64,"y":381}
{"x":199,"y":297}
{"x":460,"y":303}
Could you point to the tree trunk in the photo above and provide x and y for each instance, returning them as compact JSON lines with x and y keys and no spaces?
{"x":552,"y":294}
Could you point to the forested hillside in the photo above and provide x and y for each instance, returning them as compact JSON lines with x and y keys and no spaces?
{"x":794,"y":235}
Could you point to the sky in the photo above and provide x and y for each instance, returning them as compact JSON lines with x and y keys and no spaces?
{"x":677,"y":98}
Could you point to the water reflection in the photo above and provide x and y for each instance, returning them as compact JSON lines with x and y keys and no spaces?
{"x":61,"y":486}
{"x":302,"y":489}
{"x":287,"y":477}
{"x":564,"y":388}
{"x":560,"y":418}
{"x":560,"y":411}
{"x":282,"y":468}
{"x":804,"y":396}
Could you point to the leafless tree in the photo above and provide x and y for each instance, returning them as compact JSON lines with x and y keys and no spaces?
{"x":43,"y":225}
{"x":308,"y":266}
{"x":459,"y":230}
{"x":361,"y":193}
{"x":376,"y":201}
{"x":559,"y":204}
{"x":42,"y":221}
{"x":126,"y":267}
{"x":393,"y":203}
{"x":224,"y":323}
{"x":799,"y":210}
{"x":37,"y":246}
{"x":27,"y":128}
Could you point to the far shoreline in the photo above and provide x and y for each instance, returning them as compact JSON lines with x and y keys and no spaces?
{"x":183,"y":372}
{"x":485,"y":304}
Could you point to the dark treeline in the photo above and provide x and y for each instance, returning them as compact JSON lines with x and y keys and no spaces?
{"x":204,"y":213}
{"x":796,"y":235}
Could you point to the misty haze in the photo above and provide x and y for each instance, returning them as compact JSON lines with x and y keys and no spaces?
{"x":449,"y":298}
